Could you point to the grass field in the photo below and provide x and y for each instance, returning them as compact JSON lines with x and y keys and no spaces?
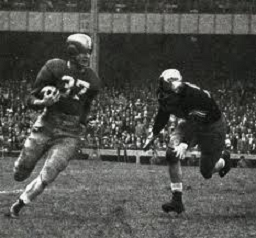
{"x":108,"y":199}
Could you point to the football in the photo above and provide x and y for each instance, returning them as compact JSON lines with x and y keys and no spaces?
{"x":48,"y":90}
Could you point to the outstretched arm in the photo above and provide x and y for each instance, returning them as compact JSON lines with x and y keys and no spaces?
{"x":161,"y":120}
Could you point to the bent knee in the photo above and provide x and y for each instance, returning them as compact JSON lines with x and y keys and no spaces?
{"x":21,"y":174}
{"x":206,"y":174}
{"x":48,"y":175}
{"x":171,"y":156}
{"x":19,"y":177}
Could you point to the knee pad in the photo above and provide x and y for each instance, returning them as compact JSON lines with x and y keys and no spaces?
{"x":171,"y":156}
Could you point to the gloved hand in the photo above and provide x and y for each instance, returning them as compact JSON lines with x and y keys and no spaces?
{"x":181,"y":150}
{"x":149,"y":141}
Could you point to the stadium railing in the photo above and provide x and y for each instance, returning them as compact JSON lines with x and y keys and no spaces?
{"x":138,"y":154}
{"x":161,"y":153}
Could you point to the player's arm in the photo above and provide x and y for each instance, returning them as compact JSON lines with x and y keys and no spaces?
{"x":90,"y":94}
{"x":35,"y":100}
{"x":182,"y":147}
{"x":161,"y":120}
{"x":87,"y":106}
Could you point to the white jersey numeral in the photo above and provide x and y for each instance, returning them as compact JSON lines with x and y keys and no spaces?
{"x":71,"y":83}
{"x":83,"y":85}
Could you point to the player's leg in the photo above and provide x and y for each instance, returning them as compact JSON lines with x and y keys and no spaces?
{"x":215,"y":162}
{"x":33,"y":149}
{"x":57,"y":160}
{"x":174,"y":167}
{"x":175,"y":173}
{"x":214,"y":158}
{"x":226,"y":166}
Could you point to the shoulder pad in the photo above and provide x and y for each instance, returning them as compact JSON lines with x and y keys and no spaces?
{"x":56,"y":66}
{"x":55,"y":63}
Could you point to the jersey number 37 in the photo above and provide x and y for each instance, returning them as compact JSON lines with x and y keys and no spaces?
{"x":70,"y":83}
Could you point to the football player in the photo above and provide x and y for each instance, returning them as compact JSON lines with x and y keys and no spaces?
{"x":201,"y":123}
{"x":63,"y":91}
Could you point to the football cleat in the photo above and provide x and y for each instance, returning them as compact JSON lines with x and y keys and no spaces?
{"x":175,"y":205}
{"x":227,"y":167}
{"x":15,"y":209}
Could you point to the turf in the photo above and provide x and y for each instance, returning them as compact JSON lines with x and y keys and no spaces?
{"x":119,"y":200}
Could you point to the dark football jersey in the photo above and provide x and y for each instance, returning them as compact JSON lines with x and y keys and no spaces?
{"x":77,"y":88}
{"x":190,"y":103}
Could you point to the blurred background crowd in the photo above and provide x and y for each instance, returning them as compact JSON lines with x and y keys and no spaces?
{"x":120,"y":6}
{"x":123,"y":116}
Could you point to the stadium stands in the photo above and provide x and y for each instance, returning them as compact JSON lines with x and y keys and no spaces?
{"x":140,"y":6}
{"x":122,"y":118}
{"x":178,"y":6}
{"x":46,"y":5}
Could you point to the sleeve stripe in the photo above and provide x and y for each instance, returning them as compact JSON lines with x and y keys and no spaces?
{"x":198,"y":113}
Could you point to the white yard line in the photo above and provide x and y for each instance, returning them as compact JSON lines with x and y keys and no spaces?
{"x":12,"y":191}
{"x":47,"y":190}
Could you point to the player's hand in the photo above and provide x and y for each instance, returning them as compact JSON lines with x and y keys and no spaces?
{"x":149,"y":141}
{"x":181,"y":150}
{"x":51,"y":97}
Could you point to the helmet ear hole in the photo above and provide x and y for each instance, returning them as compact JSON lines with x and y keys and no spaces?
{"x":72,"y":50}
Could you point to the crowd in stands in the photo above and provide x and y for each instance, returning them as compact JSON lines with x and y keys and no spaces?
{"x":118,"y":6}
{"x":122,"y":118}
{"x":178,"y":6}
{"x":15,"y":118}
{"x":46,"y":5}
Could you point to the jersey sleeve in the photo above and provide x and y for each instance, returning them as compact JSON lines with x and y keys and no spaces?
{"x":87,"y":107}
{"x":90,"y":95}
{"x":161,"y":120}
{"x":45,"y":77}
{"x":94,"y":80}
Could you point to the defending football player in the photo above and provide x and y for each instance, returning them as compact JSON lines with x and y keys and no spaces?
{"x":202,"y":124}
{"x":63,"y":90}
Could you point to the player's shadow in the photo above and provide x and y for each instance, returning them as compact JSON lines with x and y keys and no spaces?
{"x":225,"y":217}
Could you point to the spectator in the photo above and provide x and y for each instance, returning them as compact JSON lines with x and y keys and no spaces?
{"x":139,"y":129}
{"x":131,"y":110}
{"x":44,"y":5}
